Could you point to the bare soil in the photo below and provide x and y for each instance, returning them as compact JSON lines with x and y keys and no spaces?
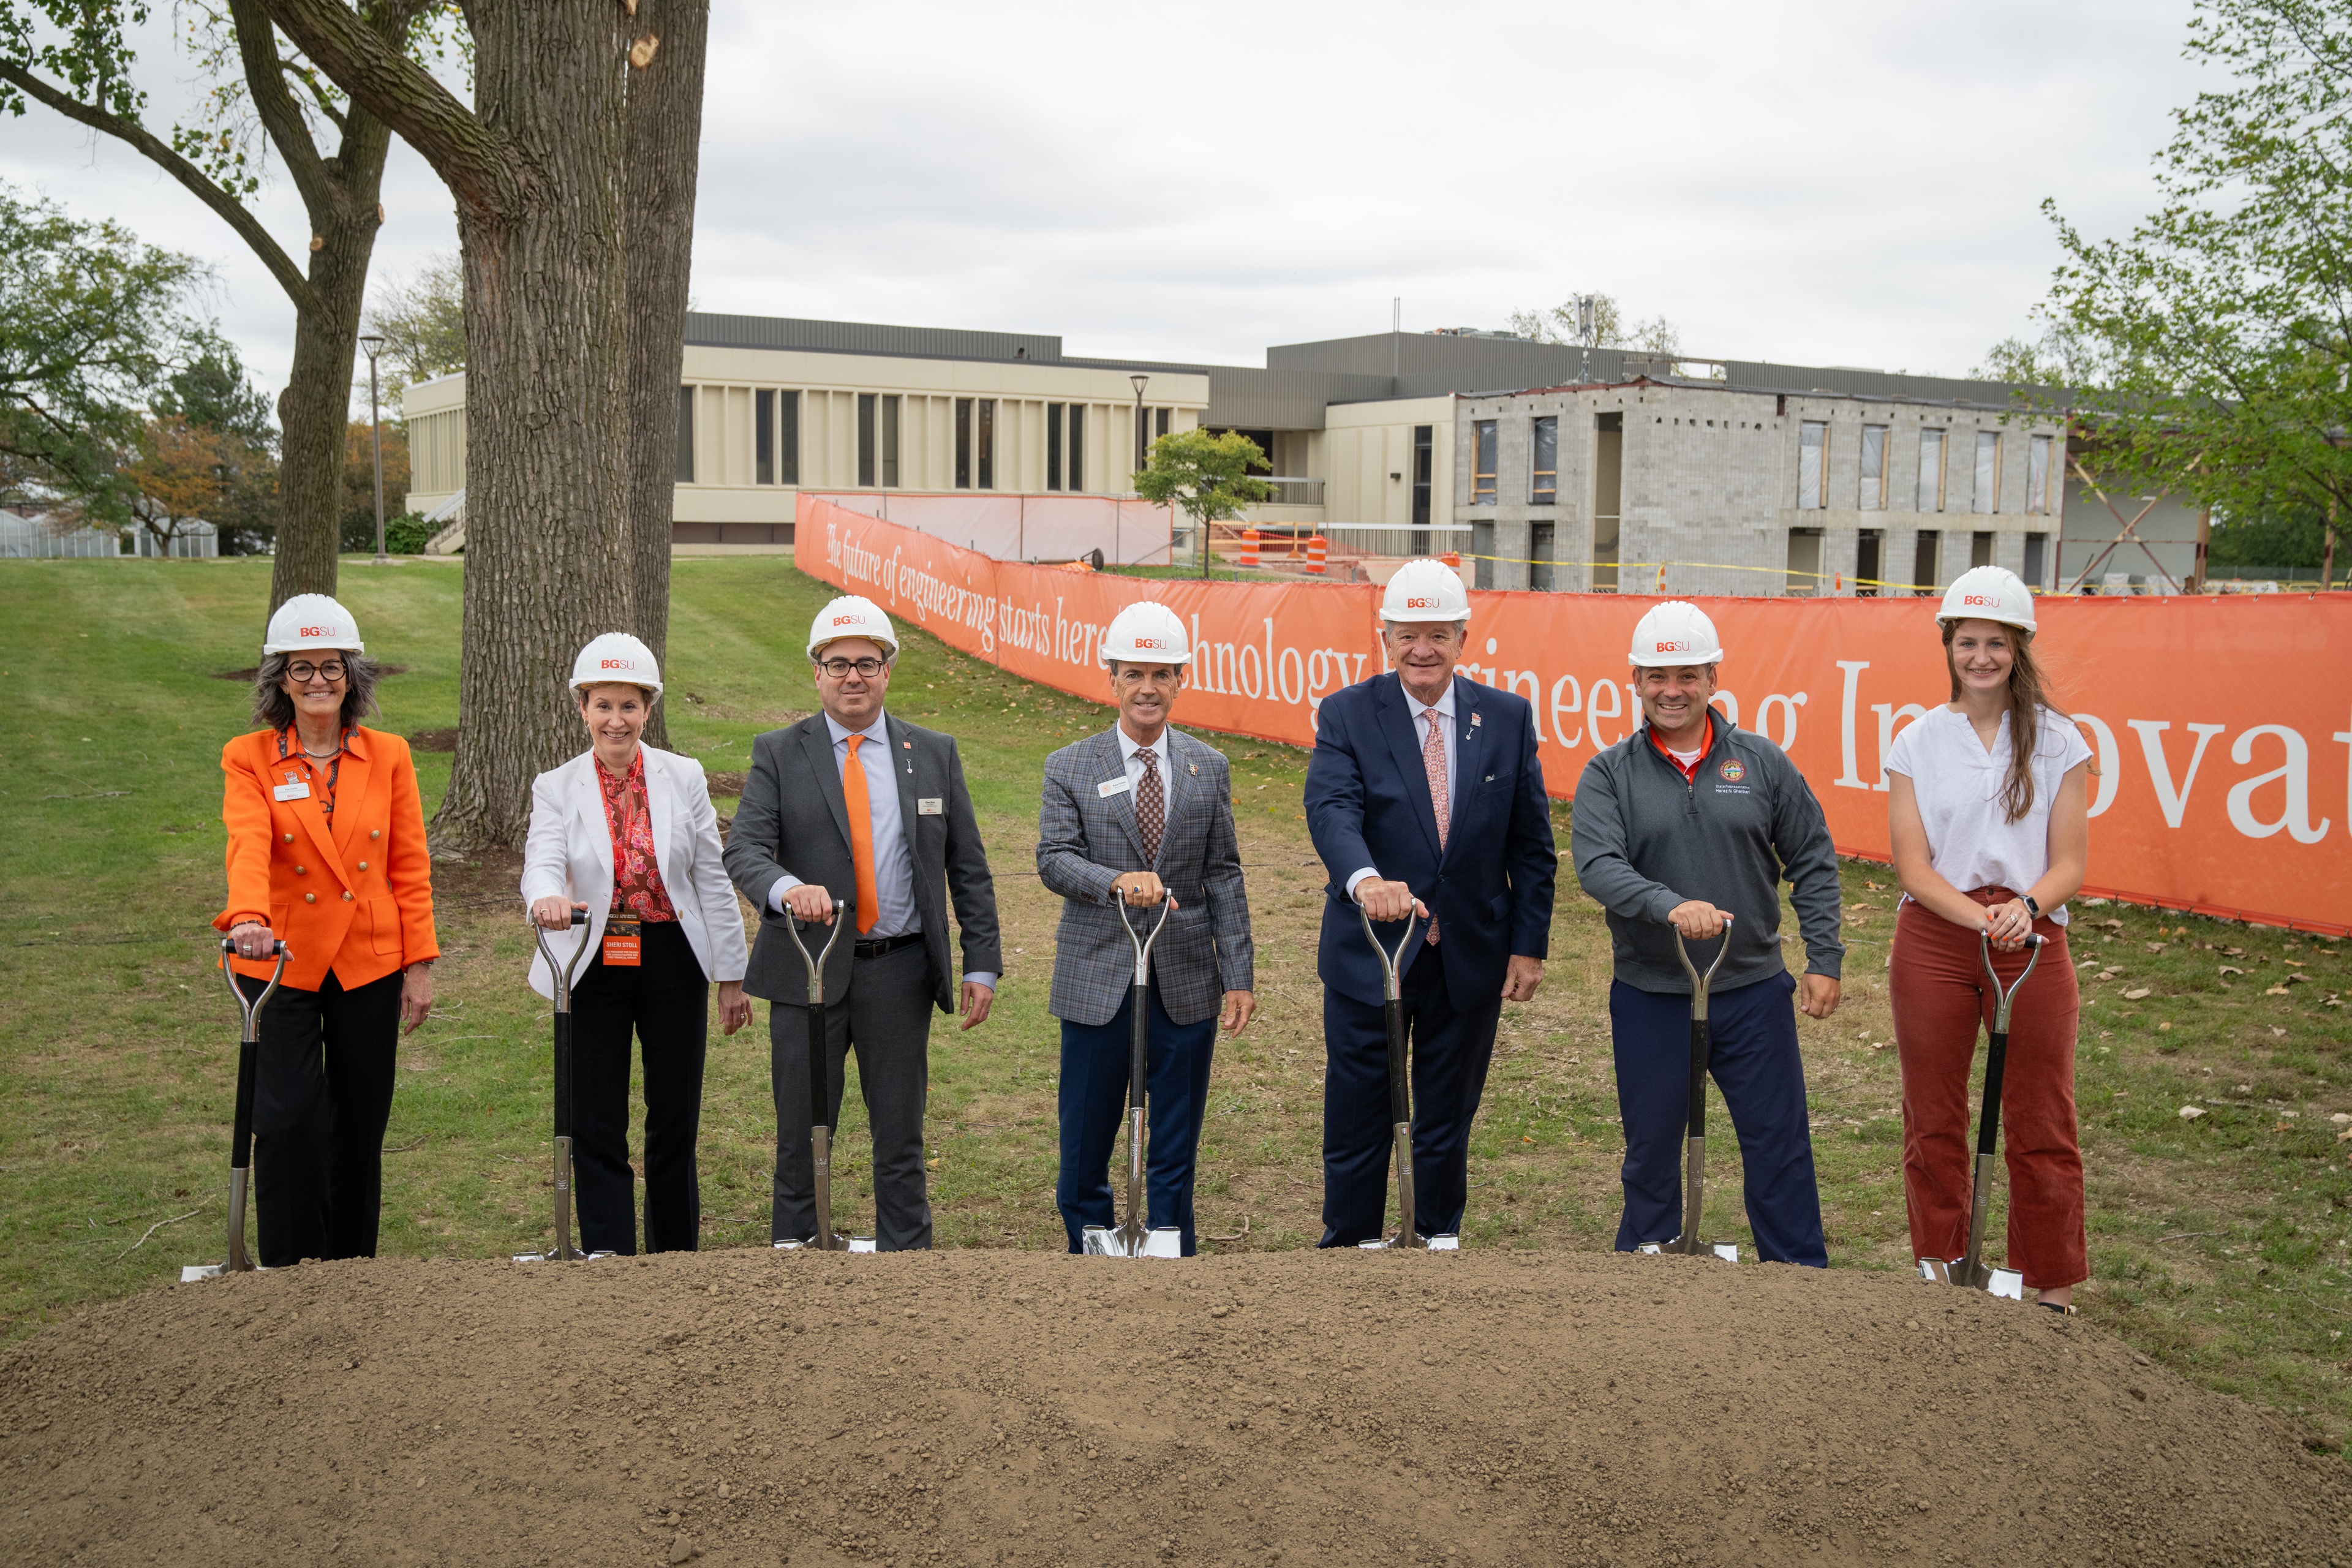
{"x":748,"y":1408}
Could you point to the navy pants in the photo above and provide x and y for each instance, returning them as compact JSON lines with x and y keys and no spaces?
{"x":1450,"y":1050}
{"x":1094,"y":1107}
{"x":1752,"y":1055}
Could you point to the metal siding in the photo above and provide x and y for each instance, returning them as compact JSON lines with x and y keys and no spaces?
{"x":713,"y":331}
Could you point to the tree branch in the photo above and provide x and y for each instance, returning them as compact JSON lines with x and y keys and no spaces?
{"x":231,"y":211}
{"x":482,"y":168}
{"x":281,"y":118}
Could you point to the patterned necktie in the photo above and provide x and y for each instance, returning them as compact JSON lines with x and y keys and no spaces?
{"x":1151,"y":807}
{"x":860,"y":810}
{"x":1432,"y":763}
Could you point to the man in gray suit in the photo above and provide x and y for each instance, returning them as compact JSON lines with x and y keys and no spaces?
{"x":853,"y":799}
{"x":1132,"y":814}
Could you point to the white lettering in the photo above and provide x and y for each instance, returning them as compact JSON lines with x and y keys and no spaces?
{"x":1848,"y":778}
{"x":1730,"y":705}
{"x":1594,"y":713}
{"x":2159,"y":772}
{"x":2295,"y":772}
{"x":1888,"y":714}
{"x":2346,"y":736}
{"x":1511,"y":679}
{"x":1788,"y":706}
{"x":2109,"y":761}
{"x":1575,"y":703}
{"x":1253,"y":671}
{"x":1290,"y":675}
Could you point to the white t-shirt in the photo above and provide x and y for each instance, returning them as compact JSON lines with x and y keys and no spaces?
{"x":1958,"y":783}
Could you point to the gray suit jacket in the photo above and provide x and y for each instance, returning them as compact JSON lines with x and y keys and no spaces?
{"x":792,"y":819}
{"x":1085,"y":840}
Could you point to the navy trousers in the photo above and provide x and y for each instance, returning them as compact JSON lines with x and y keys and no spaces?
{"x":1094,"y":1107}
{"x":1752,"y":1055}
{"x":1450,"y":1051}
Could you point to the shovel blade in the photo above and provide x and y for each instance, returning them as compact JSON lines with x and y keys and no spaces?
{"x":1111,"y":1241}
{"x":1935,"y":1271}
{"x":1726,"y":1250}
{"x":191,"y":1272}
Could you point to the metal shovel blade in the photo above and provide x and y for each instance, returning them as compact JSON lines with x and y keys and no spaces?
{"x":1726,"y":1250}
{"x":851,"y":1243}
{"x":1108,"y":1241}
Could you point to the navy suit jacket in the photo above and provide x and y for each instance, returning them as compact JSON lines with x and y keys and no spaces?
{"x":1368,"y":803}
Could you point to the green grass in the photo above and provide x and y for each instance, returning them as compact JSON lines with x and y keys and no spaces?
{"x":2219,"y":1243}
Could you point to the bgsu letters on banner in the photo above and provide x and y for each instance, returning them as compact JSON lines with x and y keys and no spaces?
{"x":2223,"y":727}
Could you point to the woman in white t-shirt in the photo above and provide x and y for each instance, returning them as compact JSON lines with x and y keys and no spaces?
{"x":1990,"y":822}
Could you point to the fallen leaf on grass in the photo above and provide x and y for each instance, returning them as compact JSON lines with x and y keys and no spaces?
{"x":2192,"y":1112}
{"x":2298,"y":980}
{"x":2342,"y":1119}
{"x":2135,"y":995}
{"x":2345,"y":1136}
{"x":2231,"y":969}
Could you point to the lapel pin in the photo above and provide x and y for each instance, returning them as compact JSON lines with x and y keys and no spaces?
{"x":1191,"y":767}
{"x":1474,"y":721}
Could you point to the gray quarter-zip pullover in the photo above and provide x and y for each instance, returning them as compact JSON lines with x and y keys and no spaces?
{"x":1645,"y":839}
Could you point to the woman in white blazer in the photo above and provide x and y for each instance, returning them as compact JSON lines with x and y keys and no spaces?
{"x":627,"y":833}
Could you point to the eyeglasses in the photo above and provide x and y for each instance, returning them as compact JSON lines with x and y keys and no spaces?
{"x":332,"y":669}
{"x":839,"y":668}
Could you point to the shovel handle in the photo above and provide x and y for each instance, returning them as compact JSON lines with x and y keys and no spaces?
{"x":251,"y":1008}
{"x":1699,"y":983}
{"x":1141,"y":940}
{"x":1391,"y":963}
{"x":842,"y":911}
{"x":561,"y":975}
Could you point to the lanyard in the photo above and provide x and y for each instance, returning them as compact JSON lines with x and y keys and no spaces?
{"x":334,"y":768}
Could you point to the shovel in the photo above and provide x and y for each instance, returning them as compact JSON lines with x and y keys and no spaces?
{"x":240,"y":1140}
{"x":562,"y":975}
{"x":1129,"y":1237}
{"x":1970,"y":1270}
{"x":1400,"y":1097}
{"x":1694,"y":1116}
{"x":826,"y":1238}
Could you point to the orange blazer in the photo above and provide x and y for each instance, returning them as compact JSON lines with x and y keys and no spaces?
{"x":355,"y":898}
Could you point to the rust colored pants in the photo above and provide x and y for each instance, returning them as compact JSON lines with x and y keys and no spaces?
{"x":1943,"y":1002}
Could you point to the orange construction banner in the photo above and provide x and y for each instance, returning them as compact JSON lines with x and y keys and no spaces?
{"x":2221,"y":726}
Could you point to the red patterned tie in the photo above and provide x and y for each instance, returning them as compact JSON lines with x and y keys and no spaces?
{"x":1432,"y":763}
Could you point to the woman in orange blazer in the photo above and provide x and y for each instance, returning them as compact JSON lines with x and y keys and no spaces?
{"x":326,"y":852}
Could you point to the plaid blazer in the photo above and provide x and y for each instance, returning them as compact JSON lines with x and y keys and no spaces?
{"x":1085,"y":841}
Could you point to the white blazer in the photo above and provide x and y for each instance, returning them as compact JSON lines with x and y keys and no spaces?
{"x":569,"y":855}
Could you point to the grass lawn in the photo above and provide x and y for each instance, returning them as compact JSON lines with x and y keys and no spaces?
{"x":2220,"y":1243}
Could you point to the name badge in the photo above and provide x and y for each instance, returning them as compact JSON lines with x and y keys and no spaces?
{"x":1110,"y":787}
{"x":931,"y":806}
{"x":292,"y":791}
{"x":624,"y":944}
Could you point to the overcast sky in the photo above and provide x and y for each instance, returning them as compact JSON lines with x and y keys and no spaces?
{"x":1830,"y":183}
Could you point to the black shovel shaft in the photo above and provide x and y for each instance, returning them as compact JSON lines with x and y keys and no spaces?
{"x":820,"y":1067}
{"x":248,"y":1072}
{"x":1400,"y":1077}
{"x":1694,"y":1112}
{"x":563,"y":1074}
{"x":1138,"y":1044}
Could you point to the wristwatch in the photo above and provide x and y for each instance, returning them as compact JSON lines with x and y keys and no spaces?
{"x":2031,"y":907}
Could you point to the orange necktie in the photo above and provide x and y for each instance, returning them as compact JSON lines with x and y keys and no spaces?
{"x":861,"y":838}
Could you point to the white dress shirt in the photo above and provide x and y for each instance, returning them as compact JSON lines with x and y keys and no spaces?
{"x":1424,"y":715}
{"x":894,"y":865}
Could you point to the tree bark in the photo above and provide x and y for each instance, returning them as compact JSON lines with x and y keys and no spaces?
{"x":663,"y":149}
{"x":537,"y":174}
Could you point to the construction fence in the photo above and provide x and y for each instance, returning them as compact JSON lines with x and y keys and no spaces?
{"x":2221,"y":727}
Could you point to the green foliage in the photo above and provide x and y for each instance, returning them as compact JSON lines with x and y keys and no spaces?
{"x":92,"y":325}
{"x":422,"y":320}
{"x":2282,"y":537}
{"x":1207,"y":476}
{"x":77,"y":43}
{"x":357,"y":491}
{"x":2220,"y":362}
{"x":1610,"y":327}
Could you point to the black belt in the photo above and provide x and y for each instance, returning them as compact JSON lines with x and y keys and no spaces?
{"x":881,"y":945}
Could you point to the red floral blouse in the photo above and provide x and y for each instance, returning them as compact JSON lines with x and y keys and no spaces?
{"x":636,"y":872}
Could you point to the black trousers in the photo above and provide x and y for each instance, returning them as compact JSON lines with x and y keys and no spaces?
{"x":1451,"y":1050}
{"x":665,"y":1002}
{"x":322,"y":1095}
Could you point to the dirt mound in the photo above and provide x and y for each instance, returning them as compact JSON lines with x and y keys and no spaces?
{"x":983,"y":1409}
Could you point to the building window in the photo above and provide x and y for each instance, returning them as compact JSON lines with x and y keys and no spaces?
{"x":1804,"y":571}
{"x":1980,"y":549}
{"x":2037,"y":546}
{"x":1869,"y":550}
{"x":763,"y":437}
{"x":1873,"y":469}
{"x":788,"y":437}
{"x":1987,"y":492}
{"x":1078,"y":445}
{"x":866,"y":441}
{"x":1142,"y":438}
{"x":963,"y":443}
{"x":1425,"y":468}
{"x":1543,"y":488}
{"x":1053,"y":446}
{"x":1539,"y":545}
{"x":890,"y":442}
{"x":686,"y":435}
{"x":1931,"y":470}
{"x":2037,"y":475}
{"x":1481,"y":468}
{"x":1812,"y":473}
{"x":1926,"y":558}
{"x":1482,"y":553}
{"x":988,"y":443}
{"x":1159,"y":424}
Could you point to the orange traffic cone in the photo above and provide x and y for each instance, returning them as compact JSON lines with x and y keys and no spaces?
{"x":1249,"y":548}
{"x":1317,"y":552}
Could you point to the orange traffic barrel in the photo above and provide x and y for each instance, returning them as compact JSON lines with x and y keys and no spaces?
{"x":1249,"y":547}
{"x":1317,"y":551}
{"x":1452,"y":558}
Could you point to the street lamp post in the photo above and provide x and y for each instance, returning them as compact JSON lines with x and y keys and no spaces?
{"x":373,"y":344}
{"x":1141,"y":447}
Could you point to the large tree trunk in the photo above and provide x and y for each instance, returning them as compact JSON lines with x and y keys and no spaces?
{"x":663,"y":145}
{"x":316,"y":403}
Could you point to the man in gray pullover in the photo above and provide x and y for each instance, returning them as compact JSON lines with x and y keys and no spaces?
{"x":1689,"y":824}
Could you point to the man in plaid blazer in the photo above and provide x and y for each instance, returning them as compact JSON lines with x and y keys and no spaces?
{"x":1132,"y":814}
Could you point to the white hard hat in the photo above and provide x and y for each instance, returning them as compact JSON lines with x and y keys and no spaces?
{"x":1988,"y":594}
{"x":852,"y":617}
{"x":1425,"y":591}
{"x":309,"y":622}
{"x":1147,"y":632}
{"x":616,"y":658}
{"x":1675,"y":633}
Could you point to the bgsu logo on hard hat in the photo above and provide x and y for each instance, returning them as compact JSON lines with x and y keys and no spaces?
{"x":1981,"y":599}
{"x":315,"y":632}
{"x":1420,"y":601}
{"x":1680,"y":644}
{"x":618,"y":664}
{"x":845,"y":620}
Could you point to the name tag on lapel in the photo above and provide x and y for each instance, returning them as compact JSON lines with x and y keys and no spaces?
{"x":1110,"y":787}
{"x":292,"y":791}
{"x":931,"y":806}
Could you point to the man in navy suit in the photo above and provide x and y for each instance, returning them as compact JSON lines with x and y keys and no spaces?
{"x":1424,"y":796}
